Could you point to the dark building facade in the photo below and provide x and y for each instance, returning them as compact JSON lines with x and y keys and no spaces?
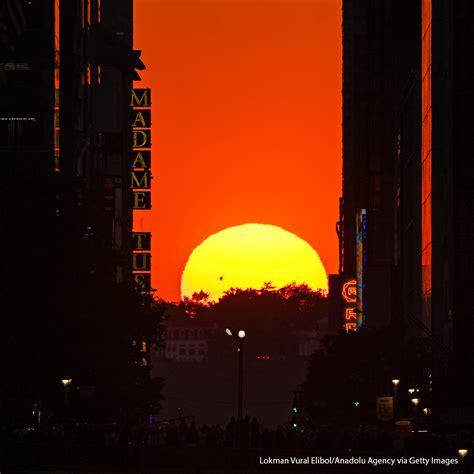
{"x":96,"y":71}
{"x":380,"y":49}
{"x":66,"y":77}
{"x":408,"y":195}
{"x":407,"y":116}
{"x":29,"y":183}
{"x":447,"y":197}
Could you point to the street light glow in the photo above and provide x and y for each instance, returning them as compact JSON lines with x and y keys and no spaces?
{"x":415,"y":401}
{"x":66,"y":382}
{"x":395,"y":382}
{"x":411,"y":390}
{"x":239,"y":335}
{"x":463,"y":452}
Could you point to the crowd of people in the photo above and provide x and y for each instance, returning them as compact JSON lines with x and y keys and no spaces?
{"x":248,"y":434}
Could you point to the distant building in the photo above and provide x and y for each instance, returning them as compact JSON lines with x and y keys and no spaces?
{"x":187,"y":341}
{"x":307,"y":341}
{"x":191,"y":340}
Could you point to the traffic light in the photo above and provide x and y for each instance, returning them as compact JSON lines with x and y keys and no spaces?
{"x":295,"y":419}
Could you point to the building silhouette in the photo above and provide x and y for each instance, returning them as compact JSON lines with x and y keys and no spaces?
{"x":407,"y":114}
{"x":447,"y":196}
{"x":380,"y":49}
{"x":66,"y":72}
{"x":29,"y":187}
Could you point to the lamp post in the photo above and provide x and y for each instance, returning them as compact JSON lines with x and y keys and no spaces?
{"x":240,"y":336}
{"x":66,"y":383}
{"x":464,"y":462}
{"x":395,"y":383}
{"x":415,"y":402}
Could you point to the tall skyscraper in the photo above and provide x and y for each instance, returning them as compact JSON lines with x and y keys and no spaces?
{"x":66,"y":78}
{"x":447,"y":198}
{"x":407,"y":142}
{"x":380,"y":49}
{"x":28,"y":185}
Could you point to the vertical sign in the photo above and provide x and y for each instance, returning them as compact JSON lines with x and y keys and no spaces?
{"x":140,"y":160}
{"x":361,"y":235}
{"x":140,"y":184}
{"x":349,"y":304}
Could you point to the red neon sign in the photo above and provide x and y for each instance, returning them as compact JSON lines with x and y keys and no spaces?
{"x":349,"y":291}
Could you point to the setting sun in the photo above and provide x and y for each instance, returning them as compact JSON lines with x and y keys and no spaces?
{"x":247,"y":256}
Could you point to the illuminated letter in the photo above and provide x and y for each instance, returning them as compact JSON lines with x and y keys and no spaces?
{"x":349,"y":291}
{"x":139,"y":179}
{"x":139,"y":119}
{"x":350,"y":326}
{"x":141,"y":261}
{"x":142,"y":280}
{"x":141,"y":240}
{"x":351,"y":314}
{"x":140,"y":159}
{"x":142,"y":141}
{"x":143,"y":101}
{"x":141,"y":200}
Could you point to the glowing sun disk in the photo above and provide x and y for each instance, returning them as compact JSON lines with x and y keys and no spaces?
{"x":247,"y":256}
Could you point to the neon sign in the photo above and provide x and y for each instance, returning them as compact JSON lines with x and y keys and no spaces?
{"x":349,"y":299}
{"x":349,"y":291}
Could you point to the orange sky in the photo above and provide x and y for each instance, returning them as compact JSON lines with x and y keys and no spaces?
{"x":246,"y":122}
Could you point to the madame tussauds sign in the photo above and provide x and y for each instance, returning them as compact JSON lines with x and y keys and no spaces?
{"x":140,"y":184}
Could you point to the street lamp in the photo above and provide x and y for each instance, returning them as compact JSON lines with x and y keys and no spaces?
{"x":411,"y":391}
{"x":66,"y":383}
{"x":415,"y":401}
{"x":240,"y":336}
{"x":395,"y":383}
{"x":462,"y":453}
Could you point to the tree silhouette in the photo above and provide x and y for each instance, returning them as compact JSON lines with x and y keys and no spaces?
{"x":269,"y":316}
